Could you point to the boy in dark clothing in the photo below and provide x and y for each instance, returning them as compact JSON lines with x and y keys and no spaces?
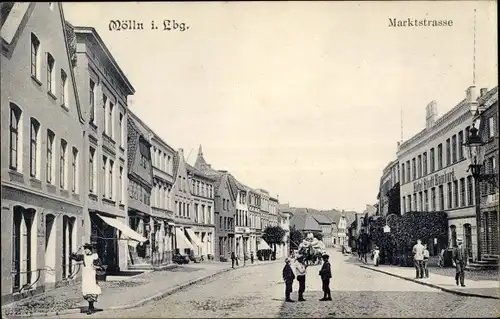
{"x":326,"y":273}
{"x":288,"y":278}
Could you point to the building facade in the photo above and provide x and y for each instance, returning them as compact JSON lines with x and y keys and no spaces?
{"x":224,"y":207}
{"x":254,"y":212}
{"x":140,"y":185}
{"x":242,"y":222}
{"x":203,"y":194}
{"x":284,"y":222}
{"x":262,"y":218}
{"x":43,"y":191}
{"x":488,"y":130}
{"x":434,"y":170}
{"x":162,"y":198}
{"x":274,"y":205}
{"x":390,"y":177}
{"x":104,"y":91}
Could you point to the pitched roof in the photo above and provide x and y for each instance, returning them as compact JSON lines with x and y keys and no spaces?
{"x":322,"y":219}
{"x":200,"y":160}
{"x":199,"y":172}
{"x":175,"y":165}
{"x":304,"y":223}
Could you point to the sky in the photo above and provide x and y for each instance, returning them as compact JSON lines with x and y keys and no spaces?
{"x":303,"y":99}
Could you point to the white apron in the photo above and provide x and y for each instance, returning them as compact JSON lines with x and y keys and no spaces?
{"x":89,"y":282}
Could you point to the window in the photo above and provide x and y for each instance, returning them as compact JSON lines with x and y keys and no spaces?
{"x":92,"y":101}
{"x":462,"y":192}
{"x":450,"y":196}
{"x":35,"y":57}
{"x":120,"y":186}
{"x":50,"y":156}
{"x":426,"y":201}
{"x":491,"y":127}
{"x":419,"y":172}
{"x":433,"y":199}
{"x":424,"y":163}
{"x":111,"y":122}
{"x":467,"y":129}
{"x":403,"y":173}
{"x":62,"y":164}
{"x":104,"y":113}
{"x":440,"y":156}
{"x":432,"y":161}
{"x":470,"y":190}
{"x":64,"y":88}
{"x":460,"y":145}
{"x":414,"y":169}
{"x":420,"y":202}
{"x":50,"y":73}
{"x":122,"y":133}
{"x":92,"y":165}
{"x":23,"y":247}
{"x":441,"y":197}
{"x":75,"y":170}
{"x":110,"y":183}
{"x":454,"y":148}
{"x":34,"y":128}
{"x":455,"y":193}
{"x":448,"y":152}
{"x":15,"y":146}
{"x":103,"y":177}
{"x":67,"y":246}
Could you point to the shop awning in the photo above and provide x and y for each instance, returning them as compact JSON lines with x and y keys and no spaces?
{"x":181,"y":239}
{"x":127,"y":232}
{"x":263,"y":245}
{"x":194,"y":238}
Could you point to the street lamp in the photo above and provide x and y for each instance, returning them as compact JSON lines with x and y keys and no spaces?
{"x":475,"y":154}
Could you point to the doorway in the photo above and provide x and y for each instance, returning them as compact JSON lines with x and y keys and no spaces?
{"x":50,"y":249}
{"x":468,"y":240}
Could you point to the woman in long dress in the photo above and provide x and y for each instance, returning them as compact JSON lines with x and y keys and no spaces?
{"x":90,"y":288}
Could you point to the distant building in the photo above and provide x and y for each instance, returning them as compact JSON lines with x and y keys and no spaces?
{"x":304,"y":222}
{"x":389,"y":179}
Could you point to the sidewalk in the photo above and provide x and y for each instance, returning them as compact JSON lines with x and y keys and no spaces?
{"x":122,"y":294}
{"x":474,"y":288}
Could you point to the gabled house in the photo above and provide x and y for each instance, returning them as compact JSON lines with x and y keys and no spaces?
{"x":42,"y":159}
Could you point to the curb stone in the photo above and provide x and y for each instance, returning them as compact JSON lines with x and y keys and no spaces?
{"x":155,"y":297}
{"x":456,"y":292}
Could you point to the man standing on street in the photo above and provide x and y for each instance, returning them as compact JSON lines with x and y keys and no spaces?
{"x":288,"y":277}
{"x":233,"y":259}
{"x":460,"y":261}
{"x":418,"y":256}
{"x":251,"y":257}
{"x":300,"y":270}
{"x":326,"y":274}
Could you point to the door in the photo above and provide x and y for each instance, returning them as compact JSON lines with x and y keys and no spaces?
{"x":468,"y":240}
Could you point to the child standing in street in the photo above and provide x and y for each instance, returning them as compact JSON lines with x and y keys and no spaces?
{"x":376,"y":256}
{"x":326,"y":274}
{"x":288,"y":278}
{"x":426,"y":261}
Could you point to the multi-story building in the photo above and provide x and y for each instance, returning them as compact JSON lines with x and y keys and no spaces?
{"x":390,"y":177}
{"x":326,"y":225}
{"x":203,"y":194}
{"x":274,"y":205}
{"x":162,"y":199}
{"x":140,"y":185}
{"x":488,"y":130}
{"x":434,"y":171}
{"x":254,"y":204}
{"x":262,"y":218}
{"x":42,"y":123}
{"x":242,"y":222}
{"x":103,"y":92}
{"x":342,"y":230}
{"x":224,"y":207}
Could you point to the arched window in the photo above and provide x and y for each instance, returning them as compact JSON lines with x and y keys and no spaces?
{"x":453,"y":230}
{"x":34,"y":142}
{"x":15,"y":142}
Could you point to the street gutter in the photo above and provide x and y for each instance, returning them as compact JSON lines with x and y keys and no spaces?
{"x":453,"y":291}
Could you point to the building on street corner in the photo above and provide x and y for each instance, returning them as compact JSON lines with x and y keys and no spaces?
{"x":103,"y":92}
{"x":388,"y":181}
{"x":43,"y":192}
{"x":242,"y":222}
{"x":434,"y":171}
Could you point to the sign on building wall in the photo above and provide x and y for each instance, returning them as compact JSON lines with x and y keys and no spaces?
{"x":434,"y":180}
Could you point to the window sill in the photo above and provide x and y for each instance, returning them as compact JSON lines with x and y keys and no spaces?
{"x":16,"y":176}
{"x":108,"y":201}
{"x":52,"y":95}
{"x":51,"y":188}
{"x":122,"y":149}
{"x":64,"y":107}
{"x":92,"y":196}
{"x":64,"y":192}
{"x":36,"y":183}
{"x":122,"y":206}
{"x":37,"y":81}
{"x":92,"y":124}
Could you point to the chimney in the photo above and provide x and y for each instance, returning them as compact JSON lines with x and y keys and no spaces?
{"x":431,"y":114}
{"x":398,"y":147}
{"x":181,"y":153}
{"x":483,"y":91}
{"x":471,"y":94}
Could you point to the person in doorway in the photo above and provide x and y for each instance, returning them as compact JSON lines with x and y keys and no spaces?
{"x":91,"y":263}
{"x":288,"y":278}
{"x":376,"y":256}
{"x":233,"y":259}
{"x":426,"y":261}
{"x":300,"y":271}
{"x":418,"y":257}
{"x":326,"y":274}
{"x":460,"y":261}
{"x":251,"y":257}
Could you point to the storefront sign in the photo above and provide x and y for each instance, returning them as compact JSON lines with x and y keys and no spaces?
{"x":434,"y":181}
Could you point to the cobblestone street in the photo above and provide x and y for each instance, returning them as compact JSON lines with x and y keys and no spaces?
{"x":356,"y":292}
